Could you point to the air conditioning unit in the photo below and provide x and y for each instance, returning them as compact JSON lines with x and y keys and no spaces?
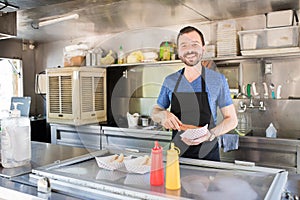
{"x":76,"y":95}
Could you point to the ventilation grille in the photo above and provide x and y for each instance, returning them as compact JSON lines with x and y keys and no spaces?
{"x":66,"y":94}
{"x":92,"y":90}
{"x":99,"y":93}
{"x":54,"y":94}
{"x":60,"y":94}
{"x":87,"y":94}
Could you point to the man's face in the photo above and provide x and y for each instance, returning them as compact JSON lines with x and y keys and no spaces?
{"x":190,"y":48}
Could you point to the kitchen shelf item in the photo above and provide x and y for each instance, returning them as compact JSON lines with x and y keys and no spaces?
{"x":268,"y":53}
{"x":227,"y":38}
{"x":281,"y":18}
{"x":269,"y":38}
{"x":249,"y":41}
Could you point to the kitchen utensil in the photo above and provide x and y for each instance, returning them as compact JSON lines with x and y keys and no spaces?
{"x":278,"y":93}
{"x":244,"y":89}
{"x":255,"y":93}
{"x":249,"y":90}
{"x":272,"y":90}
{"x":266,"y":94}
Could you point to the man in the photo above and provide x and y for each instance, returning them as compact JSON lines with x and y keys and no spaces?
{"x":194,"y":94}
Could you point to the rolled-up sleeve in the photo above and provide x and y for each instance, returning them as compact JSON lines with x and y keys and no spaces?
{"x":163,"y":99}
{"x":224,"y":98}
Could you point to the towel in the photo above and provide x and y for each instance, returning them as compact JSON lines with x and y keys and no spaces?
{"x":229,"y":142}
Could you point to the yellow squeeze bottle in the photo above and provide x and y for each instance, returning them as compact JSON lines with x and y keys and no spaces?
{"x":172,"y":168}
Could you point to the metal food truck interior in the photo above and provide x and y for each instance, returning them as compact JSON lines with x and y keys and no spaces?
{"x":93,"y":71}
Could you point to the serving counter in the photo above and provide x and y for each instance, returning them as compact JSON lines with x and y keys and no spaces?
{"x":266,"y":152}
{"x":74,"y":173}
{"x":199,"y":179}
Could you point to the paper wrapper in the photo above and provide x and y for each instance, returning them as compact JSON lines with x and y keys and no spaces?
{"x":112,"y":162}
{"x":139,"y":165}
{"x":195,"y":133}
{"x":110,"y":175}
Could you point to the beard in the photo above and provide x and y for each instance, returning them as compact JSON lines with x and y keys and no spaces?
{"x":191,"y":58}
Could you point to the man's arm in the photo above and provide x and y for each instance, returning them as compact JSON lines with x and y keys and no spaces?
{"x":228,"y":123}
{"x":165,"y":118}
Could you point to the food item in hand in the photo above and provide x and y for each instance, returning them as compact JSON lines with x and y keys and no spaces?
{"x":185,"y":127}
{"x":193,"y":134}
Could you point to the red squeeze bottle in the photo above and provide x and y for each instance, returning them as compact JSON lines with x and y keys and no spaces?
{"x":157,"y":169}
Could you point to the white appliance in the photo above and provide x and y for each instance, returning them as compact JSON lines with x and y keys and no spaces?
{"x":76,"y":95}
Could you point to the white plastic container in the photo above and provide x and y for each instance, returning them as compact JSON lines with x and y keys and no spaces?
{"x":271,"y":131}
{"x":15,"y":140}
{"x":280,"y":18}
{"x":249,"y":41}
{"x":269,"y":38}
{"x":252,"y":39}
{"x":282,"y":37}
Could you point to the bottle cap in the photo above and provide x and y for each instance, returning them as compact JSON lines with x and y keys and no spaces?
{"x":173,"y":148}
{"x":15,"y":112}
{"x":156,"y":147}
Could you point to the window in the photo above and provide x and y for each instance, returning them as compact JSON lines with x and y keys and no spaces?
{"x":11,"y":81}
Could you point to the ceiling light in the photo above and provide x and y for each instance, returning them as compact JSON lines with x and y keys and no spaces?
{"x":6,"y":7}
{"x":57,"y":20}
{"x":31,"y":46}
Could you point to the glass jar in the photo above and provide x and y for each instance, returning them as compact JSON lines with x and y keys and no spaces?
{"x":244,"y":121}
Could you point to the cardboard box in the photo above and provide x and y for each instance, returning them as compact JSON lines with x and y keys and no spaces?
{"x":75,"y":61}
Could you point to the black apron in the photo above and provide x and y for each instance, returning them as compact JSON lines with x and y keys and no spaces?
{"x":193,"y":108}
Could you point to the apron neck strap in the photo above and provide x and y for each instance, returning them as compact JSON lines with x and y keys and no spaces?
{"x":202,"y":79}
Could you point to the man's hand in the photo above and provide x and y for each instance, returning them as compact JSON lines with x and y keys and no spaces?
{"x":170,"y":121}
{"x":207,"y":137}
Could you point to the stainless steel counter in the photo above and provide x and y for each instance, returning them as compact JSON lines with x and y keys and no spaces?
{"x":268,"y":152}
{"x":199,"y":179}
{"x":97,"y":137}
{"x":79,"y":177}
{"x":44,"y":154}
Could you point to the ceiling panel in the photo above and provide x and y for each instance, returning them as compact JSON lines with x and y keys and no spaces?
{"x":112,"y":16}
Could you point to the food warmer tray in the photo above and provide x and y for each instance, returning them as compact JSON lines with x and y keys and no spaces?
{"x":199,"y":180}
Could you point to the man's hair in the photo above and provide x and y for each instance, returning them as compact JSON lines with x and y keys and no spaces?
{"x":189,"y":29}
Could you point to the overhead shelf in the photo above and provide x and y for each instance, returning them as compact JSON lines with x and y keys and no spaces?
{"x":262,"y":53}
{"x":145,"y":63}
{"x":246,"y":55}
